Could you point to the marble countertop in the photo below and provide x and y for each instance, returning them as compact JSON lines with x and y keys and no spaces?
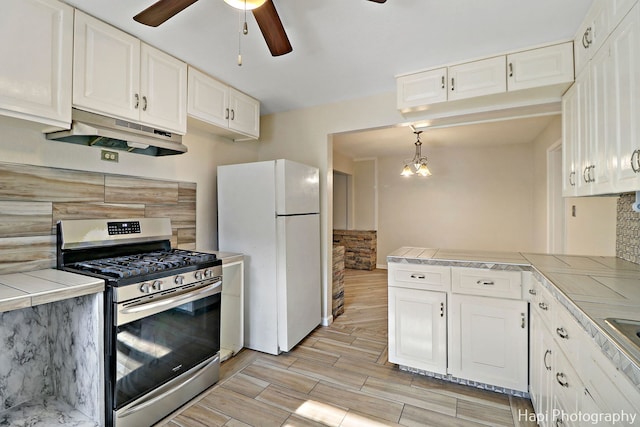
{"x":598,"y":287}
{"x":20,"y":290}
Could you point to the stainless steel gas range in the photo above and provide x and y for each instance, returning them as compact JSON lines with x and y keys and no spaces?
{"x":162,"y":313}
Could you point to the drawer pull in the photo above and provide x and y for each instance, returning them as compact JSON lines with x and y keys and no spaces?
{"x":532,"y":292}
{"x":485,"y":282}
{"x":544,"y":360}
{"x":562,"y":333}
{"x":543,"y":306}
{"x":562,"y":379}
{"x":418,"y":276}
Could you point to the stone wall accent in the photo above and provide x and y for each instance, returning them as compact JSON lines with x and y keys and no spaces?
{"x":337,"y":307}
{"x":360,"y":248}
{"x":627,"y":229}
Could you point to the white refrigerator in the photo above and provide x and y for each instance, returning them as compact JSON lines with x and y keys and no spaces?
{"x":270,"y":212}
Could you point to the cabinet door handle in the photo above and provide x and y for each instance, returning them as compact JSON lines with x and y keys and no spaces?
{"x":585,"y":174}
{"x":544,"y":360}
{"x":523,"y":319}
{"x":559,"y":422}
{"x":484,"y":282}
{"x":226,"y":115}
{"x":418,"y":276}
{"x":572,"y":179}
{"x":441,"y":309}
{"x":532,"y":292}
{"x":634,"y":161}
{"x":510,"y":69}
{"x":586,"y":38}
{"x":453,"y":83}
{"x":233,"y":114}
{"x":442,"y":82}
{"x":562,"y":333}
{"x":137,"y":98}
{"x":144,"y":101}
{"x":543,"y":306}
{"x":562,"y":379}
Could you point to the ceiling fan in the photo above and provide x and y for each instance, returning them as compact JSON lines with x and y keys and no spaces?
{"x":264,"y":11}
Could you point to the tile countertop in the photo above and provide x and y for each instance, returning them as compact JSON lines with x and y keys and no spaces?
{"x":592,"y":288}
{"x":20,"y":290}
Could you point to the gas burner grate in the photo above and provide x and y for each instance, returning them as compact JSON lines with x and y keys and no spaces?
{"x":144,"y":263}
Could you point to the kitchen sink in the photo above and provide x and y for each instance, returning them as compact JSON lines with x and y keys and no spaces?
{"x":629,"y":329}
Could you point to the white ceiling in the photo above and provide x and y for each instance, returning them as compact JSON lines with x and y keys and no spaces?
{"x":344,"y":49}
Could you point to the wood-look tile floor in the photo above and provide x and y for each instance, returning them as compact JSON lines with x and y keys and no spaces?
{"x":339,"y":376}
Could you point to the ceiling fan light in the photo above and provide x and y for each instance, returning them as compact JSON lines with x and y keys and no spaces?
{"x":241,"y":4}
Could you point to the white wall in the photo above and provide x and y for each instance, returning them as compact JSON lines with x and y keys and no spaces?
{"x":477,"y":198}
{"x":365,"y":197}
{"x":593,"y":230}
{"x":23,"y":142}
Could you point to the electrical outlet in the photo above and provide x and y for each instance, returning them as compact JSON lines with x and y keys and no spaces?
{"x":109,"y":156}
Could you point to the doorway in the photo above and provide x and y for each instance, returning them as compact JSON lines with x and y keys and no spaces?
{"x":555,"y":202}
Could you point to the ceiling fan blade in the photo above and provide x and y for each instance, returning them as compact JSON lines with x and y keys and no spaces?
{"x":378,"y":1}
{"x":162,"y":10}
{"x":272,"y":29}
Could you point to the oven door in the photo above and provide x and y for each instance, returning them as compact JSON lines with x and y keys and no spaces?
{"x":158,"y":339}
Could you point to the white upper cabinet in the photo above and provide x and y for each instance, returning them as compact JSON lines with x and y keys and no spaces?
{"x":540,"y":67}
{"x":570,"y":140}
{"x":591,"y":34}
{"x":37,"y":56}
{"x":233,"y":113}
{"x":477,"y":78}
{"x":106,"y":68}
{"x":549,"y":67}
{"x":625,"y":57}
{"x":117,"y":75}
{"x":424,"y":88}
{"x":163,"y":85}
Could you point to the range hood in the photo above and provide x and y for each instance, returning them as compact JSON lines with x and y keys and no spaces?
{"x":101,"y":131}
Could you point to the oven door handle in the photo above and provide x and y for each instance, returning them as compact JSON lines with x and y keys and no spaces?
{"x":143,"y":309}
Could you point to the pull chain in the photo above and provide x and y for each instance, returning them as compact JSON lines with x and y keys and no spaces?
{"x":245,"y":31}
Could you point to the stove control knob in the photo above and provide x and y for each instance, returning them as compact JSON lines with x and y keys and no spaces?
{"x":179,"y":280}
{"x":157,"y":285}
{"x":145,"y":288}
{"x":208,"y":273}
{"x":198,"y":275}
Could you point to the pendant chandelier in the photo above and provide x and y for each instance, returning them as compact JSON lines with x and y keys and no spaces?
{"x":417,"y":165}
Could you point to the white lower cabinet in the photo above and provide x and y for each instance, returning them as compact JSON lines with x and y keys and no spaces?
{"x":418,"y":329}
{"x":572,"y":382}
{"x":232,"y":309}
{"x":435,"y":328}
{"x":488,"y":340}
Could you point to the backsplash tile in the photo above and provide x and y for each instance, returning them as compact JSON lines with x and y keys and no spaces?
{"x":627,"y":229}
{"x":34,"y":198}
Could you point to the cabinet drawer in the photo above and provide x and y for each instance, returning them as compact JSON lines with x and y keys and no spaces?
{"x":478,"y":281}
{"x":428,"y":277}
{"x":568,"y":334}
{"x":544,"y":306}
